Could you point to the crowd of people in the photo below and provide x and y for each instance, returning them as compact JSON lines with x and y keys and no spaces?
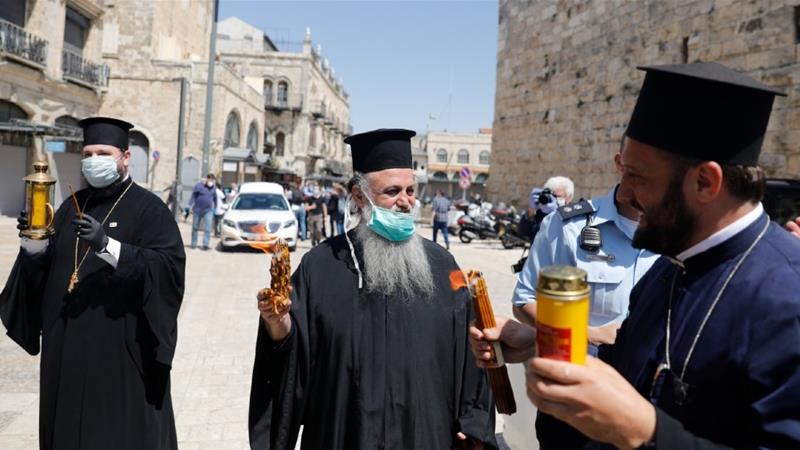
{"x":694,"y":321}
{"x":315,"y":207}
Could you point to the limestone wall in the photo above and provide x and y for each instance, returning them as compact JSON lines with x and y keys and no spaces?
{"x":567,"y":79}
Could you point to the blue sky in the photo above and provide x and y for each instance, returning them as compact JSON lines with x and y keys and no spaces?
{"x":401,"y":61}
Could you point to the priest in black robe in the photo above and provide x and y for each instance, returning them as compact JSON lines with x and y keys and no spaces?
{"x":372,"y":351}
{"x":103,"y":295}
{"x":709,"y":355}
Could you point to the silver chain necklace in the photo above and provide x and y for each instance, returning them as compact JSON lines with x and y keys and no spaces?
{"x":681,"y":387}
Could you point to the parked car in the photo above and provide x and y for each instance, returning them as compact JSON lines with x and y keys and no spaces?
{"x":258,"y":212}
{"x":782,"y":200}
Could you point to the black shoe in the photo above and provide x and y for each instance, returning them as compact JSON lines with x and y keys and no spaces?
{"x":206,"y":248}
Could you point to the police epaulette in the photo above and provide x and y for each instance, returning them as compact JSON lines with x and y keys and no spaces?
{"x":579,"y":208}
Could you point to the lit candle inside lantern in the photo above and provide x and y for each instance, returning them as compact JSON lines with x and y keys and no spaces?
{"x":39,"y":206}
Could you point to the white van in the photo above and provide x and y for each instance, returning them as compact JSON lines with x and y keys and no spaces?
{"x":259,"y":212}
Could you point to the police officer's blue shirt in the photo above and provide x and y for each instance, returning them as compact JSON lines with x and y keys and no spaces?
{"x":612,"y":271}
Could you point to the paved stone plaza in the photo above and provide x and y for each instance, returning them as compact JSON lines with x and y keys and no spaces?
{"x":217,"y":330}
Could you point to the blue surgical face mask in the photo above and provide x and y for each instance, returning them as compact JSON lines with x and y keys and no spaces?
{"x":100,"y":171}
{"x":391,"y":225}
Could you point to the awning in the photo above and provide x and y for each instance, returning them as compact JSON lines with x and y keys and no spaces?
{"x":246,"y":155}
{"x":29,"y":127}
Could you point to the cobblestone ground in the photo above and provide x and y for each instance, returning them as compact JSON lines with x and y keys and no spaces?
{"x":217,"y":330}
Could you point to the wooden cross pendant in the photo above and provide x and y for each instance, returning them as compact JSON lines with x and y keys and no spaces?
{"x":73,"y":281}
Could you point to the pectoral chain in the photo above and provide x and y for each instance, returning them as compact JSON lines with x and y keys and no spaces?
{"x":73,"y":279}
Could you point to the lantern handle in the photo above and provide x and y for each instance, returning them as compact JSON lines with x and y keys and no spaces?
{"x":50,"y":212}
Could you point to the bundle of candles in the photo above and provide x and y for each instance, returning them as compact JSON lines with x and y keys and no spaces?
{"x":280,"y":272}
{"x":484,"y":318}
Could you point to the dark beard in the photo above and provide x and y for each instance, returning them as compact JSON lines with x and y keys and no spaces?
{"x":668,"y":226}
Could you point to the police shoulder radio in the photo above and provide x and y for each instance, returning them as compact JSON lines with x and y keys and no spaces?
{"x":590,"y":238}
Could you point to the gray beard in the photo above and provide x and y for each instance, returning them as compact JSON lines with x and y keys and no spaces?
{"x":395,"y":268}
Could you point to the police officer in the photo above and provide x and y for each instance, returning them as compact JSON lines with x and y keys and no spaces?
{"x":594,"y":235}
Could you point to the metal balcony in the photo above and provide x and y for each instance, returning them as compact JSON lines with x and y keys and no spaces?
{"x":18,"y":44}
{"x":82,"y":71}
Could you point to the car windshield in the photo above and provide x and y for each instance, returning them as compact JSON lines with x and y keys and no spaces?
{"x":274,"y":202}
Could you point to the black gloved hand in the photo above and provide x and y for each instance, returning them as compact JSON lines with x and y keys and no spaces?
{"x":22,"y":220}
{"x":91,"y":231}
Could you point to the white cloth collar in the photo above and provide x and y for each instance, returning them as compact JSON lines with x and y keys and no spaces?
{"x":722,"y":235}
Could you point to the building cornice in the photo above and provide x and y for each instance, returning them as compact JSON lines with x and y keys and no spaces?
{"x":87,"y":7}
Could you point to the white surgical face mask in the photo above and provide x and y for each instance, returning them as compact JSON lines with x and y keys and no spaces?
{"x":560,"y":201}
{"x":100,"y":171}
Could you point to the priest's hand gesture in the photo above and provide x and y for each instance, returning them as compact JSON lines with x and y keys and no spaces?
{"x":593,"y":398}
{"x":91,"y":231}
{"x":517,"y":340}
{"x":275,"y":314}
{"x":22,"y":221}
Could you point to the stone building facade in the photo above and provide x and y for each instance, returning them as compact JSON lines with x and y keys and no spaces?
{"x":151,"y":47}
{"x":448,"y":153}
{"x":306,"y":108}
{"x":50,"y":76}
{"x":567,"y":79}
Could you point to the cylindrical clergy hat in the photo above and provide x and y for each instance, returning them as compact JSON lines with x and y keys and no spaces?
{"x":106,"y":131}
{"x":384,"y":148}
{"x":704,"y":111}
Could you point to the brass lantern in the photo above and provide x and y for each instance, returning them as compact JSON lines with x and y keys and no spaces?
{"x":39,"y":192}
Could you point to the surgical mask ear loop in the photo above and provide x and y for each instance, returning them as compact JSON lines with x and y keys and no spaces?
{"x":350,"y":244}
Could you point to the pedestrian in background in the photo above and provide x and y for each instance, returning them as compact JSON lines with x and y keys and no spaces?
{"x":562,"y":188}
{"x":316,"y":210}
{"x":336,"y":205}
{"x":219,"y":210}
{"x":441,"y":206}
{"x":297,"y":199}
{"x":231,"y":194}
{"x":203,"y":203}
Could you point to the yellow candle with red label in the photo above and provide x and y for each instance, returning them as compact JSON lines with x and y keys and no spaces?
{"x":39,"y":206}
{"x":562,"y":314}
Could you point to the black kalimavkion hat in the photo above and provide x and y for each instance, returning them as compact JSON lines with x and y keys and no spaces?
{"x":704,"y":111}
{"x":106,"y":131}
{"x":385,"y":148}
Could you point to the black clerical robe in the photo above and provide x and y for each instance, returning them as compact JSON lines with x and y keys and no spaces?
{"x":366,"y":370}
{"x":744,"y":375}
{"x":107,"y":347}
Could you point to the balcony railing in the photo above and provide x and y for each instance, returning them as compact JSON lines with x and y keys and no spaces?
{"x":17,"y":42}
{"x":76,"y":68}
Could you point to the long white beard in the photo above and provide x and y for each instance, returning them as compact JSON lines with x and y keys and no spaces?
{"x":395,"y":268}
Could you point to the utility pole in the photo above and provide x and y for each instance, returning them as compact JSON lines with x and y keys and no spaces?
{"x":212,"y":56}
{"x":177,"y":186}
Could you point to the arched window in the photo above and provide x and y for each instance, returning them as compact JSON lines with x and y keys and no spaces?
{"x":67,"y":122}
{"x":232,"y":127}
{"x":283,"y":93}
{"x":439,"y":176}
{"x":463,"y":156}
{"x":10,"y":111}
{"x":441,"y":156}
{"x":484,"y":158}
{"x":252,"y":137}
{"x":268,"y":93}
{"x":312,"y":136}
{"x":266,"y":141}
{"x":280,"y":140}
{"x":138,"y":166}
